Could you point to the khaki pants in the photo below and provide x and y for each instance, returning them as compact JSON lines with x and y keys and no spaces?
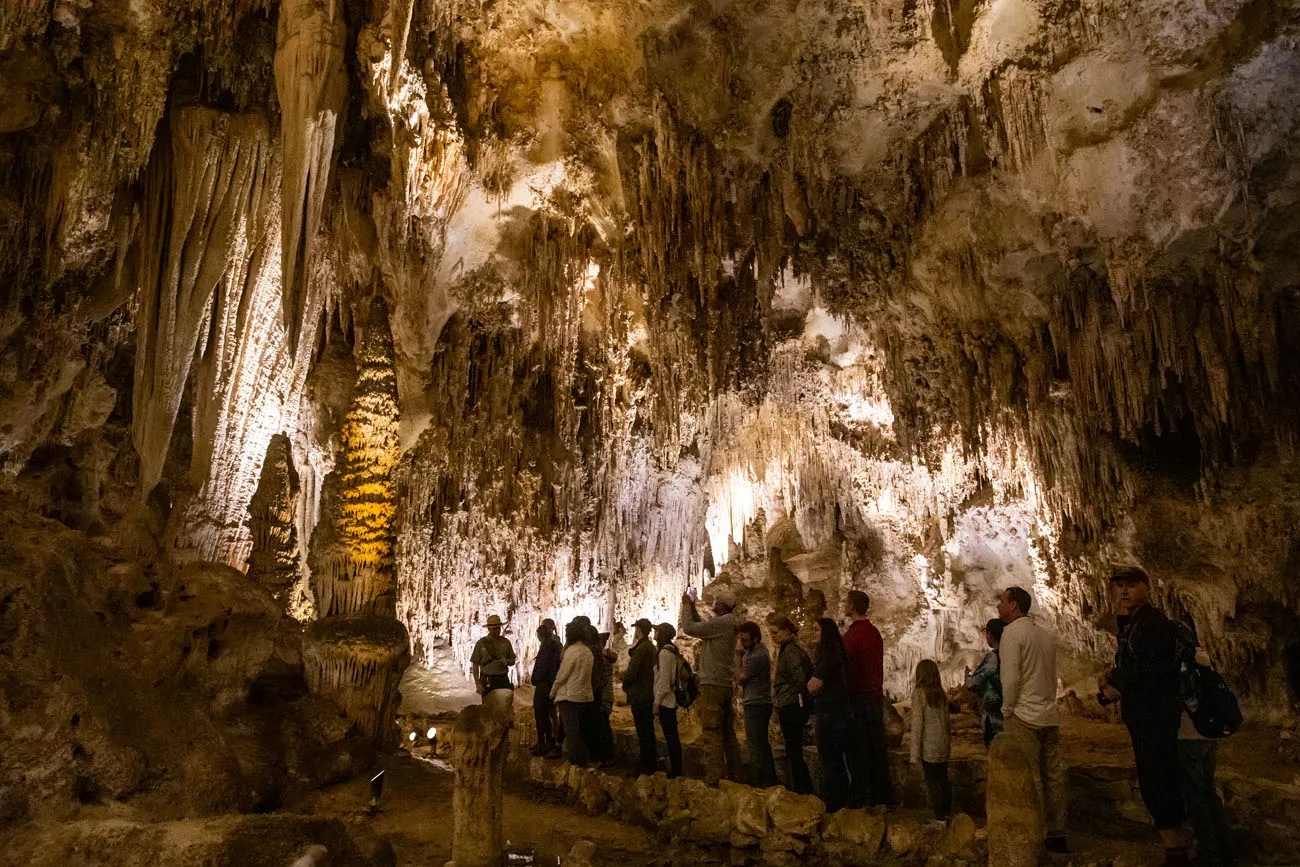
{"x":718,"y":737}
{"x":1042,"y":746}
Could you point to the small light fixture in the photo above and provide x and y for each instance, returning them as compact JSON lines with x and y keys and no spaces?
{"x":412,"y":737}
{"x":433,"y":733}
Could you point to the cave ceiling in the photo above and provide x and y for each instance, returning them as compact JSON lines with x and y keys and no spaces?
{"x":924,"y":295}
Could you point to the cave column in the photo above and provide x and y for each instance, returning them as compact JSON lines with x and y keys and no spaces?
{"x":357,"y":650}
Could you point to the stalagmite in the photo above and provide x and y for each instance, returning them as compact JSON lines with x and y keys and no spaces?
{"x":479,"y":750}
{"x":357,"y":650}
{"x":312,"y":86}
{"x":272,"y":518}
{"x":1015,"y":816}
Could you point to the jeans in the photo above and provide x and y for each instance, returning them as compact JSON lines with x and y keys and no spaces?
{"x":762,"y":768}
{"x":936,"y":781}
{"x":604,"y":732}
{"x":1042,"y":746}
{"x":793,"y":719}
{"x":643,"y":717}
{"x":1196,"y":762}
{"x":668,"y":725}
{"x":1155,"y":752}
{"x":870,"y":756}
{"x":718,"y":735}
{"x":571,"y":713}
{"x":544,"y":715}
{"x":834,"y":741}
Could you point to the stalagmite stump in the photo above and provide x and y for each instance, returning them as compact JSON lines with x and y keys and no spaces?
{"x":358,"y":661}
{"x":479,"y":748}
{"x":1014,"y":814}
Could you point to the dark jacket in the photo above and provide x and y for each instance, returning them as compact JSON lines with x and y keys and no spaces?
{"x":1146,"y":668}
{"x":793,"y":668}
{"x":864,"y":652}
{"x":639,"y":680}
{"x":834,"y":697}
{"x":547,"y":662}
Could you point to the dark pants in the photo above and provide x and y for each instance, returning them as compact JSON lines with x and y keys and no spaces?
{"x":591,"y":731}
{"x":668,"y":725}
{"x":1196,"y":761}
{"x":544,"y":715}
{"x":871,"y":781}
{"x":793,"y":719}
{"x":762,"y":768}
{"x":571,"y":714}
{"x":643,"y":716}
{"x":1155,"y":752}
{"x":936,"y":781}
{"x":834,"y":742}
{"x":990,"y":732}
{"x":496,"y":681}
{"x":604,"y":732}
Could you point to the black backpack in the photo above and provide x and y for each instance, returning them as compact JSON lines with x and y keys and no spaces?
{"x":686,"y":684}
{"x":1205,"y":695}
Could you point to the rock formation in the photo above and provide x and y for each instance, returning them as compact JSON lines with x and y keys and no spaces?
{"x":479,"y":749}
{"x":925,"y":299}
{"x":272,"y":519}
{"x":356,"y":651}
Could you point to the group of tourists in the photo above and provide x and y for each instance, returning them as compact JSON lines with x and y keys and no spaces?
{"x":839,"y":687}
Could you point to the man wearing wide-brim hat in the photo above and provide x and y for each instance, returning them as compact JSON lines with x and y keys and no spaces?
{"x":491,"y":660}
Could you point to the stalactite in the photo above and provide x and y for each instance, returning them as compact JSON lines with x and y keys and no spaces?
{"x":206,"y":186}
{"x":272,"y":519}
{"x":312,"y":85}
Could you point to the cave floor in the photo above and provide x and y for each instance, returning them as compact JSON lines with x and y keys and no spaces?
{"x":416,"y":819}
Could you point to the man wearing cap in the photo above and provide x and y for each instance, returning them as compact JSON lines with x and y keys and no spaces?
{"x":491,"y":660}
{"x":639,"y":687}
{"x":1145,"y":683}
{"x":1030,"y":719}
{"x":717,"y":674}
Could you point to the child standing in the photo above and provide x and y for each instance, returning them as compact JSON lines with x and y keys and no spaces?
{"x":931,"y":736}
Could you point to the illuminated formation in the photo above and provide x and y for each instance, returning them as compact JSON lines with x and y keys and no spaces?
{"x":272,"y":518}
{"x":356,"y":651}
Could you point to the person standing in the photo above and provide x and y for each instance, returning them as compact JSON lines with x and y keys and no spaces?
{"x":1027,"y":658}
{"x":1145,"y":683}
{"x":833,"y":714}
{"x":716,"y":671}
{"x":754,"y":673}
{"x":545,"y":666}
{"x":639,"y":687}
{"x":790,"y":695}
{"x":1197,"y":758}
{"x":491,"y":659}
{"x":665,"y":694}
{"x":864,"y":650}
{"x":605,"y":701}
{"x":986,"y":683}
{"x":571,"y":691}
{"x":932,"y":736}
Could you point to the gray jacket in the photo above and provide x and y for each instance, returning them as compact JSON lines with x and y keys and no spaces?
{"x":717,"y":646}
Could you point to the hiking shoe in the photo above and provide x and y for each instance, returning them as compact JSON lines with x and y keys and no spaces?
{"x":1057,"y":844}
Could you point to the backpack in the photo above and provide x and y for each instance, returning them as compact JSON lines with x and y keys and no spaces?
{"x":686,"y":685}
{"x":1204,"y":694}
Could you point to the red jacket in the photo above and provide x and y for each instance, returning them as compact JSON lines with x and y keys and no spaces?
{"x":865,"y":650}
